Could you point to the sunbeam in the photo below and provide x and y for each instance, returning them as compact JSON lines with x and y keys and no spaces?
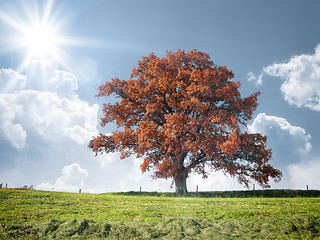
{"x":38,"y":35}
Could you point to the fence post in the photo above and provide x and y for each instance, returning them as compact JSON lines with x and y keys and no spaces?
{"x":6,"y":185}
{"x":0,"y":185}
{"x":80,"y":190}
{"x":197,"y":189}
{"x":307,"y":187}
{"x":254,"y":187}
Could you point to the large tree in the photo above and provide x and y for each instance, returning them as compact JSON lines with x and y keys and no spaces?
{"x":182,"y":113}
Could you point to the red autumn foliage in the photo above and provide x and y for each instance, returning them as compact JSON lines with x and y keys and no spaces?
{"x":182,"y":113}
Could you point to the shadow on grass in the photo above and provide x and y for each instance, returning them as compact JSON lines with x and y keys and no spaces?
{"x":182,"y":228}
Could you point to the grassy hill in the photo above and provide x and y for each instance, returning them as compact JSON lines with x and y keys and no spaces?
{"x":229,"y":215}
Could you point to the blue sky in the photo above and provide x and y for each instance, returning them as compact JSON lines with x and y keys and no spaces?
{"x":48,"y":111}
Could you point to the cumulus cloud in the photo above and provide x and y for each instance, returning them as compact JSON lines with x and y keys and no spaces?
{"x":44,"y":125}
{"x":64,"y":83}
{"x":290,"y":144}
{"x":11,"y":131}
{"x":301,"y":79}
{"x":50,"y":78}
{"x":280,"y":129}
{"x":49,"y":115}
{"x":72,"y":179}
{"x":11,"y":81}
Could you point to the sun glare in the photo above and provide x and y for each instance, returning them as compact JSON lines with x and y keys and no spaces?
{"x":37,"y":34}
{"x":41,"y":41}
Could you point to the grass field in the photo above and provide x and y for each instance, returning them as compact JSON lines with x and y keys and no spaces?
{"x":45,"y":215}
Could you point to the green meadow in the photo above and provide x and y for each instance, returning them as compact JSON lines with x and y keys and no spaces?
{"x":30,"y":214}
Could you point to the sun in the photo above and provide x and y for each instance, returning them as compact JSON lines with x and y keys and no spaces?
{"x":38,"y":34}
{"x":41,"y":41}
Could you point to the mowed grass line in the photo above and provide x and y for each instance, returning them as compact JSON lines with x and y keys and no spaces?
{"x":48,"y":214}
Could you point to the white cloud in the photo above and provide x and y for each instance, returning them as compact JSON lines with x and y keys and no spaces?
{"x":49,"y":126}
{"x":13,"y":132}
{"x":43,"y":124}
{"x":125,"y":175}
{"x":11,"y":81}
{"x":305,"y":173}
{"x":64,"y":83}
{"x":113,"y":175}
{"x":280,"y":127}
{"x":301,"y":76}
{"x":290,"y":145}
{"x":73,"y":174}
{"x":72,"y":179}
{"x":48,"y":77}
{"x":51,"y":115}
{"x":253,"y":78}
{"x":39,"y":74}
{"x":216,"y":181}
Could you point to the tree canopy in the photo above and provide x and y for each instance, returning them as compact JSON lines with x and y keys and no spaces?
{"x":182,"y":113}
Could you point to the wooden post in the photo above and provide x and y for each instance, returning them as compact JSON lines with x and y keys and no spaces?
{"x":140,"y":188}
{"x":0,"y":185}
{"x":6,"y":185}
{"x":307,"y":187}
{"x":80,"y":190}
{"x":254,"y":187}
{"x":197,"y":189}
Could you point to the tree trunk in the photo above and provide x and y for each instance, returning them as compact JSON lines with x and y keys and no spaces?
{"x":181,"y":184}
